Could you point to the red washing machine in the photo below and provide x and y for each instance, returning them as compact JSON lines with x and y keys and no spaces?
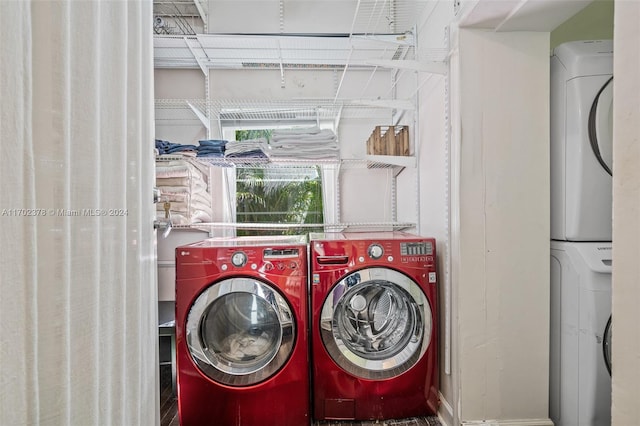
{"x":242,"y":332}
{"x":374,"y":329}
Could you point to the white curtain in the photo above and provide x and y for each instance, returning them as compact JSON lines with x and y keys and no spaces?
{"x":77,"y":279}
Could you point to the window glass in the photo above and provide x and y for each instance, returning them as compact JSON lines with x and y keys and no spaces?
{"x":277,"y":193}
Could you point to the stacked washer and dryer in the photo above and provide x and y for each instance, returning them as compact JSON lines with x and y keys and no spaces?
{"x":581,"y":229}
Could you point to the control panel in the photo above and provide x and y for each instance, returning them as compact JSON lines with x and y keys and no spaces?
{"x":267,"y":260}
{"x":390,"y":251}
{"x":416,"y":248}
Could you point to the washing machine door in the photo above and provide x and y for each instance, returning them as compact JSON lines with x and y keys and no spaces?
{"x":601,"y":126}
{"x":240,"y":331}
{"x":376,"y":323}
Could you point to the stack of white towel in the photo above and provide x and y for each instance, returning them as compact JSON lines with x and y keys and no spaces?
{"x":307,"y":143}
{"x":252,"y":148}
{"x":184,"y":187}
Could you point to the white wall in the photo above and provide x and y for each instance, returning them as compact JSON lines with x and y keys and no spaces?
{"x":501,"y":250}
{"x":626,"y":215}
{"x":179,"y":125}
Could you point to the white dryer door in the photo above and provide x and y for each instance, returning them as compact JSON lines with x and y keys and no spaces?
{"x":376,"y":323}
{"x":601,"y":126}
{"x":240,"y":331}
{"x":587,"y":189}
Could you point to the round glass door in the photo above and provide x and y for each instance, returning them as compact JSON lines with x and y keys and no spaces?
{"x":601,"y":126}
{"x":240,"y":331}
{"x":376,"y":323}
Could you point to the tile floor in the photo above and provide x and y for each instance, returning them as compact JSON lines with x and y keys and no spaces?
{"x":169,"y":410}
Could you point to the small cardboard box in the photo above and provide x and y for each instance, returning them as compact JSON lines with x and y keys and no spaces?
{"x":389,"y":140}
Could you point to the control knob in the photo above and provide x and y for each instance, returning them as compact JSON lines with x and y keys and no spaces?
{"x":238,"y":259}
{"x":375,"y":251}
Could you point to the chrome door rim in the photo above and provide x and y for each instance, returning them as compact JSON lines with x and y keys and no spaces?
{"x":398,"y":362}
{"x":210,"y":362}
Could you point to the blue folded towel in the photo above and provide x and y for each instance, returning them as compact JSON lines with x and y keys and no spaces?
{"x":213,"y":142}
{"x":165,"y":147}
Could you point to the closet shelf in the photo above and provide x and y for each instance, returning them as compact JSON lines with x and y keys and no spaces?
{"x":285,"y":51}
{"x":397,"y":163}
{"x":336,"y":227}
{"x":307,"y":110}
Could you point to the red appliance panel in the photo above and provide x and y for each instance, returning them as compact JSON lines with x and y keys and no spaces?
{"x":284,"y":395}
{"x":339,"y":394}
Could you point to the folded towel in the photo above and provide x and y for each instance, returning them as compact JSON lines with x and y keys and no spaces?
{"x":189,"y":182}
{"x":256,"y":153}
{"x":177,"y":170}
{"x":251,"y":148}
{"x":213,"y":142}
{"x":165,"y":147}
{"x":299,"y":131}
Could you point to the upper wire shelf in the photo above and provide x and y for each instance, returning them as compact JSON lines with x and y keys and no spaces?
{"x":273,"y":110}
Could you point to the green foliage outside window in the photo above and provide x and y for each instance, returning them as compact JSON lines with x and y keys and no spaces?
{"x":278,"y":194}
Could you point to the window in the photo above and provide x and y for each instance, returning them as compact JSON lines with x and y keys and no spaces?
{"x":280,"y":194}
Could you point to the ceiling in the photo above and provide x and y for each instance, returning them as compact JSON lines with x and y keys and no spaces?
{"x":519,"y":15}
{"x":359,"y":16}
{"x":346,"y":33}
{"x":339,"y":32}
{"x":368,"y":16}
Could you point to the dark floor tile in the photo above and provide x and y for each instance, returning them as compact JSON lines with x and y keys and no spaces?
{"x":413,"y":421}
{"x":169,"y":410}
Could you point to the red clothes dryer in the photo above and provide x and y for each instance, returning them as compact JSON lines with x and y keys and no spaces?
{"x":242,"y":332}
{"x":374,"y":329}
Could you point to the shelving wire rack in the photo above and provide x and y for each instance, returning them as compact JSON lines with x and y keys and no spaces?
{"x":331,"y":227}
{"x":302,"y":111}
{"x":337,"y":165}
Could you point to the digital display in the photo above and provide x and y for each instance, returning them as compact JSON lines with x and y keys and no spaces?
{"x":280,"y":253}
{"x":416,"y":249}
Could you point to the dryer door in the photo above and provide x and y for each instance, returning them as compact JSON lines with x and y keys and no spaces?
{"x":376,"y":323}
{"x":601,"y":126}
{"x":606,"y":345}
{"x":240,"y":331}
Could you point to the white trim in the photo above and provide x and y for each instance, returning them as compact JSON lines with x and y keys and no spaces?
{"x":513,"y":422}
{"x":445,"y":413}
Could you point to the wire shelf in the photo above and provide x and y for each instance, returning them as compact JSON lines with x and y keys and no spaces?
{"x":275,"y":110}
{"x":336,"y":227}
{"x":286,"y":51}
{"x":372,"y":162}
